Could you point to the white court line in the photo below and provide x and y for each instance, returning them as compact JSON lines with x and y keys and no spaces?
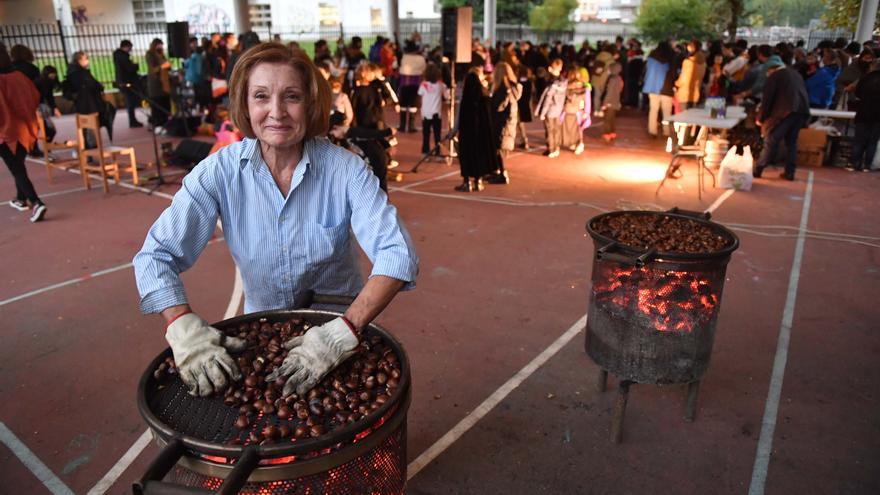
{"x":235,"y":300}
{"x":121,"y":183}
{"x":141,"y":443}
{"x":59,"y":193}
{"x":33,"y":463}
{"x":64,"y":284}
{"x":77,"y":280}
{"x":121,"y":465}
{"x":721,"y":199}
{"x":771,"y":408}
{"x":493,"y":400}
{"x":432,"y":179}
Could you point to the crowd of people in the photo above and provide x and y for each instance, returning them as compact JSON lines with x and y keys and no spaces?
{"x":568,"y":88}
{"x":503,"y":88}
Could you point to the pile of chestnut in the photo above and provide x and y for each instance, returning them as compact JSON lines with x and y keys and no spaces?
{"x":357,"y":387}
{"x":661,"y":232}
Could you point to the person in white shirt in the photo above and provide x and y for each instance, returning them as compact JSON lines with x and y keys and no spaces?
{"x":433,"y":91}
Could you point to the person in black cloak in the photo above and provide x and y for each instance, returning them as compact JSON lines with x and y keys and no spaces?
{"x":478,"y":151}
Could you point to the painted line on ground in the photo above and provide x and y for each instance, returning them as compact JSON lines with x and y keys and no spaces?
{"x":721,"y":199}
{"x":493,"y":400}
{"x":60,"y":193}
{"x":235,"y":299}
{"x":141,"y":443}
{"x":32,"y":462}
{"x":432,"y":179}
{"x":77,"y":280}
{"x":771,"y":407}
{"x":126,"y":185}
{"x":121,"y":465}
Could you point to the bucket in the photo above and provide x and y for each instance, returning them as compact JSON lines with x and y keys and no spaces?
{"x":716,"y":148}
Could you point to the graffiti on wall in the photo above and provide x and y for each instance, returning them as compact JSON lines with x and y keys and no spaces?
{"x":204,"y":18}
{"x":79,"y":14}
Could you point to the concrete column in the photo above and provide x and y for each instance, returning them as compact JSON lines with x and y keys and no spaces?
{"x":393,"y":20}
{"x":867,"y":14}
{"x":489,"y":22}
{"x":241,"y":16}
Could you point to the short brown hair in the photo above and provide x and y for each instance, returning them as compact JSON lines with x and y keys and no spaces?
{"x":317,"y":90}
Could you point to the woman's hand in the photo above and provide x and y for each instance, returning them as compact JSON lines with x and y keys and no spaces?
{"x":315,"y":354}
{"x":57,"y":113}
{"x":200,"y":352}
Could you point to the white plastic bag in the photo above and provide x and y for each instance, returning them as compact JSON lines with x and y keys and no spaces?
{"x":736,"y":170}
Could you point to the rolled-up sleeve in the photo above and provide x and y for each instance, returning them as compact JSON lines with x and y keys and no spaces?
{"x":175,"y":241}
{"x":379,"y":231}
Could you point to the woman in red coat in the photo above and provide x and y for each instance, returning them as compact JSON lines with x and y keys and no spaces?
{"x":19,"y":99}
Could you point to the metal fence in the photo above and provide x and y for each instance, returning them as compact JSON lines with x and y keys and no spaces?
{"x":54,"y":44}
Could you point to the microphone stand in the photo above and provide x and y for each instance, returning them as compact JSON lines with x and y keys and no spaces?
{"x":160,"y":181}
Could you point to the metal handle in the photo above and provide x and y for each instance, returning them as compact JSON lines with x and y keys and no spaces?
{"x":240,"y":473}
{"x":703,"y":215}
{"x":309,"y":298}
{"x":167,"y":458}
{"x":151,"y":483}
{"x":606,"y":252}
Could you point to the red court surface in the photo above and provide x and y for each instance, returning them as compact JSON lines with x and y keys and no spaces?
{"x":504,"y":277}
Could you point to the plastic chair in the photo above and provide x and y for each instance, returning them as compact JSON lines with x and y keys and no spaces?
{"x":106,"y":157}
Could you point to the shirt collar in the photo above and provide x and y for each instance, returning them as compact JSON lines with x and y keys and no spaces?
{"x":250,"y":153}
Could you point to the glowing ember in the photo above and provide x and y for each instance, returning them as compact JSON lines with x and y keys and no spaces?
{"x":672,"y":301}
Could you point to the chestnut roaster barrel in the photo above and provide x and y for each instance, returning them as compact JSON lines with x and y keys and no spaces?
{"x":206,"y":448}
{"x":652,"y":314}
{"x":657,"y":281}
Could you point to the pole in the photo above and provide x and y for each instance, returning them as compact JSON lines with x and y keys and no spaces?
{"x":867,"y":15}
{"x":393,"y":19}
{"x":489,"y":22}
{"x":63,"y":43}
{"x":241,"y":16}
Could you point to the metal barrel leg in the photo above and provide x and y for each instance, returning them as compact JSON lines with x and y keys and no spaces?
{"x":690,"y":409}
{"x":619,"y":412}
{"x":602,"y":380}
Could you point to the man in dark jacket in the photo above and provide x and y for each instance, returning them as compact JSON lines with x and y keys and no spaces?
{"x":785,"y":109}
{"x":867,"y":120}
{"x":127,"y":74}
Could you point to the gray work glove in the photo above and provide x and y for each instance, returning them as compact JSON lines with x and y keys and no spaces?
{"x":314,"y":355}
{"x":200,"y":352}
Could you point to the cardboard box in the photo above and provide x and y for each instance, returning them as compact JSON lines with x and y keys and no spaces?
{"x":812,"y":139}
{"x":809,"y":158}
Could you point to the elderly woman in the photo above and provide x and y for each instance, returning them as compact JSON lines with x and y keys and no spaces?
{"x":287,"y":200}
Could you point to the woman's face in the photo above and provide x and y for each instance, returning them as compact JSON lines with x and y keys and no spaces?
{"x":277,"y":104}
{"x":83,"y":61}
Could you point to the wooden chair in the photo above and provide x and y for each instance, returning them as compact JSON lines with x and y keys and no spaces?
{"x":106,"y":158}
{"x":48,"y":148}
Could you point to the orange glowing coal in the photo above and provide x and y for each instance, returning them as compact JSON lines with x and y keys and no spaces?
{"x":673,"y":301}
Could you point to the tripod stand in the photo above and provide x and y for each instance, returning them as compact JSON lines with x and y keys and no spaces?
{"x":435,"y":152}
{"x":160,"y":181}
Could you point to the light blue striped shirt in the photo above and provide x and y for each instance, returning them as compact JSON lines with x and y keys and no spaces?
{"x":282,"y":246}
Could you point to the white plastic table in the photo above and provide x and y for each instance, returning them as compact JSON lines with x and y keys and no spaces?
{"x":699,"y":117}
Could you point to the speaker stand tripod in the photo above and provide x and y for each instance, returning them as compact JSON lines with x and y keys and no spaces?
{"x":160,"y":180}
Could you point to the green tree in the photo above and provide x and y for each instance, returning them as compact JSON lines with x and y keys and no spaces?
{"x":552,"y":15}
{"x":680,"y":19}
{"x":506,"y":11}
{"x":843,"y":14}
{"x":796,"y":13}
